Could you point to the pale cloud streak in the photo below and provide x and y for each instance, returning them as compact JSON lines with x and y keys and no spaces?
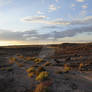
{"x":53,"y":8}
{"x":44,"y":19}
{"x":84,"y":6}
{"x":80,"y":0}
{"x":39,"y":12}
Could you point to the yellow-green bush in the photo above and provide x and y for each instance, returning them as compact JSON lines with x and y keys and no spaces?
{"x":41,"y":88}
{"x":40,"y":69}
{"x":42,"y":76}
{"x":67,"y":68}
{"x":31,"y":74}
{"x":47,"y":63}
{"x":20,"y":65}
{"x":80,"y":66}
{"x":38,"y":60}
{"x":31,"y":69}
{"x":28,"y":58}
{"x":21,"y":56}
{"x":12,"y":60}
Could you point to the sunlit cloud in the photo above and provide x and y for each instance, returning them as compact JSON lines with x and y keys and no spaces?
{"x":57,"y":0}
{"x":80,"y":0}
{"x":84,"y":6}
{"x":53,"y":8}
{"x":73,"y":5}
{"x":43,"y":19}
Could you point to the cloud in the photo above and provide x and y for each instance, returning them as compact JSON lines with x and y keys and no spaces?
{"x":35,"y":35}
{"x":65,"y":33}
{"x":84,"y":6}
{"x":73,"y":5}
{"x":39,"y":12}
{"x":80,"y":0}
{"x":34,"y":19}
{"x":83,"y":13}
{"x":53,"y":8}
{"x":5,"y":2}
{"x":57,"y":0}
{"x":86,"y":20}
{"x":43,"y":19}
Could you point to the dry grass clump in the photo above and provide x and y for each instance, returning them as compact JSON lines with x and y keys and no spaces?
{"x":41,"y":88}
{"x":31,"y":74}
{"x":80,"y":66}
{"x":38,"y":60}
{"x":31,"y":69}
{"x":20,"y":64}
{"x":20,"y":56}
{"x":67,"y":68}
{"x":28,"y":58}
{"x":12,"y":60}
{"x":42,"y":76}
{"x":40,"y":69}
{"x":47,"y":63}
{"x":33,"y":58}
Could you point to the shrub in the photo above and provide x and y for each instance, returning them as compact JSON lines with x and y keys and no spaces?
{"x":41,"y":88}
{"x":33,"y":58}
{"x":80,"y":66}
{"x":21,"y":56}
{"x":20,"y":65}
{"x":38,"y":60}
{"x":12,"y":60}
{"x":40,"y":69}
{"x":47,"y":63}
{"x":28,"y":58}
{"x":66,"y":68}
{"x":31,"y":74}
{"x":42,"y":76}
{"x":31,"y":69}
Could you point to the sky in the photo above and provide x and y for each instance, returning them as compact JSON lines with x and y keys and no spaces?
{"x":26,"y":22}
